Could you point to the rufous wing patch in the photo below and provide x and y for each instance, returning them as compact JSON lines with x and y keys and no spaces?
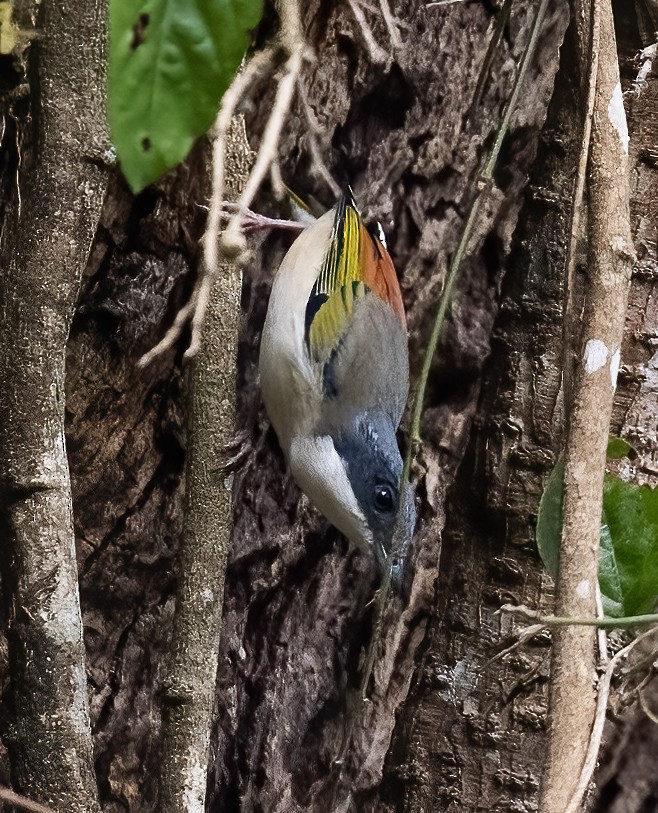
{"x":379,"y":274}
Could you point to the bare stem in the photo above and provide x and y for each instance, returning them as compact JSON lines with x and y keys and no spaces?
{"x":572,"y":688}
{"x":190,"y":686}
{"x":601,"y":623}
{"x":21,"y":802}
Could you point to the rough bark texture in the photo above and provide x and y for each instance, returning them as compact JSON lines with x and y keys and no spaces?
{"x":189,"y":693}
{"x":51,"y":206}
{"x":472,"y":733}
{"x":293,"y":736}
{"x":409,"y":135}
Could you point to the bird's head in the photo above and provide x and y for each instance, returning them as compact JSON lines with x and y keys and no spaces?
{"x":352,"y":472}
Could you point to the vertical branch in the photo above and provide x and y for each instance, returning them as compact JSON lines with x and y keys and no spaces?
{"x":189,"y":699}
{"x":573,"y":696}
{"x":46,"y":236}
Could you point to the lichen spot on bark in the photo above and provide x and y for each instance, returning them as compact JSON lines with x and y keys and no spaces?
{"x":617,"y":116}
{"x":596,"y":354}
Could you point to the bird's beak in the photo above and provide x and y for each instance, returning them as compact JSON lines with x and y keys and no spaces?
{"x":397,"y":560}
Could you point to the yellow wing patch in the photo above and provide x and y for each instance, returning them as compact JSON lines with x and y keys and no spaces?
{"x":339,"y":283}
{"x":355,"y":265}
{"x":325,"y":331}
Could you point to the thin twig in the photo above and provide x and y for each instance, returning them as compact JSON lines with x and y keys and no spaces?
{"x":500,"y":25}
{"x":314,"y":130}
{"x":391,"y":24}
{"x":645,"y":707}
{"x":603,"y":693}
{"x":171,"y":336}
{"x":605,"y":622}
{"x":510,"y":107}
{"x":253,"y":70}
{"x":602,"y":623}
{"x":22,"y":802}
{"x":254,"y":220}
{"x":524,"y":635}
{"x":278,"y":187}
{"x":268,"y":147}
{"x":378,"y":55}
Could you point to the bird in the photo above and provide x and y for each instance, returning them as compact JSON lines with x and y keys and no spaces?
{"x":334,"y":375}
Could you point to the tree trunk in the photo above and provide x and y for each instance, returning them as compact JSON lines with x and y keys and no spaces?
{"x":49,"y":219}
{"x":293,"y":734}
{"x":405,"y":112}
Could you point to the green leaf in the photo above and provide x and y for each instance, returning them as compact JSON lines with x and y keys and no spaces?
{"x":612,"y":596}
{"x":618,"y":448}
{"x":628,"y":564}
{"x":170,"y":63}
{"x":549,"y":520}
{"x":630,"y":579}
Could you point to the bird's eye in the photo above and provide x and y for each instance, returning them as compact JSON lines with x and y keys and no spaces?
{"x":384,"y":499}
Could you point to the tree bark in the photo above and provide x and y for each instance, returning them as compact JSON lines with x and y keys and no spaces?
{"x":461,"y":731}
{"x":47,"y":232}
{"x":296,"y":619}
{"x":573,"y":676}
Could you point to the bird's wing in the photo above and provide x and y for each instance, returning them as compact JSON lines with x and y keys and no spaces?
{"x":356,"y":264}
{"x":355,"y":327}
{"x":291,"y":384}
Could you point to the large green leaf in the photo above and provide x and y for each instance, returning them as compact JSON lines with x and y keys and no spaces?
{"x":628,"y":565}
{"x":629,"y":568}
{"x":170,"y":63}
{"x":612,"y":594}
{"x":549,"y":520}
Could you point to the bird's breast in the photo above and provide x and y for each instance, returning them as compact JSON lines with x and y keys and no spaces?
{"x":289,"y":382}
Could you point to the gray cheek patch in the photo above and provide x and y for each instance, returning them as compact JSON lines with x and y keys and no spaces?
{"x":372,"y":459}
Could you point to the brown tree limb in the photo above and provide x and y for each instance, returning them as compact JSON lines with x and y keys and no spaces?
{"x":591,"y":49}
{"x":46,"y":235}
{"x":190,"y":688}
{"x":21,"y":802}
{"x":573,"y":677}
